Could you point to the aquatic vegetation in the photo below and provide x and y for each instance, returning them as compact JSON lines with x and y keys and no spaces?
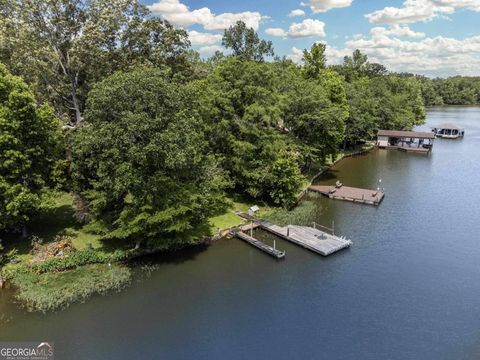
{"x":57,"y":290}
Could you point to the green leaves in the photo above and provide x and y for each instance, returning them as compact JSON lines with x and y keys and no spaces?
{"x":141,"y":159}
{"x":29,"y":152}
{"x":245,"y":43}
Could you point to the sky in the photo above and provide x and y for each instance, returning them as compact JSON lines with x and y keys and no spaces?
{"x":429,"y":37}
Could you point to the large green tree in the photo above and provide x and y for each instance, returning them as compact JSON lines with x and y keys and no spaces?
{"x":245,"y":43}
{"x":141,"y":160}
{"x":29,"y":152}
{"x":240,"y":104}
{"x":62,"y":47}
{"x":315,"y":110}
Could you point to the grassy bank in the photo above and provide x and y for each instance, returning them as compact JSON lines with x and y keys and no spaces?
{"x":57,"y":290}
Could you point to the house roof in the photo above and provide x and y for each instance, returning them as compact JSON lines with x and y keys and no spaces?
{"x":406,"y":134}
{"x":448,"y":126}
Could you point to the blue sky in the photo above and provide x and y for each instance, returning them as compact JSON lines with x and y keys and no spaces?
{"x":431,"y":37}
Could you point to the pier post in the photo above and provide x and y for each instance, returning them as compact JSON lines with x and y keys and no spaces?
{"x":333,"y":227}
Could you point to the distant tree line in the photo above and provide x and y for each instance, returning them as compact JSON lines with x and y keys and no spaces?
{"x":455,"y":90}
{"x":112,"y":104}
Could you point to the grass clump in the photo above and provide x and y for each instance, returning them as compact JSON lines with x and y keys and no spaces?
{"x":77,"y":259}
{"x":304,"y":214}
{"x":57,"y":290}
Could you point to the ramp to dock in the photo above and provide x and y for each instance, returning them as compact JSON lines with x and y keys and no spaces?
{"x":261,"y":245}
{"x":346,"y":193}
{"x":312,"y":239}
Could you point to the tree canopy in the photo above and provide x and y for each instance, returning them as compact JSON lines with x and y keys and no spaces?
{"x":30,"y":151}
{"x":141,"y":161}
{"x":62,"y":47}
{"x":245,"y":43}
{"x":160,"y":133}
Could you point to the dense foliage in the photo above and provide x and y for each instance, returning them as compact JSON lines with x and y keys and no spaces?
{"x":141,"y":159}
{"x":160,"y":134}
{"x":63,"y":47}
{"x":30,"y":151}
{"x":456,"y":90}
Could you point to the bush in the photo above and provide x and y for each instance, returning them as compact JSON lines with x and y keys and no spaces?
{"x":77,"y":259}
{"x":304,"y":214}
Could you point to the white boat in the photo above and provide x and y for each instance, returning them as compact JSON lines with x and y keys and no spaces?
{"x":448,"y":131}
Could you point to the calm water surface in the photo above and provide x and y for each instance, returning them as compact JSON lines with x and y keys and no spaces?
{"x":408,"y":288}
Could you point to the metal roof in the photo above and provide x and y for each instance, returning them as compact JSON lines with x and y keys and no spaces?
{"x":406,"y":134}
{"x":448,"y":126}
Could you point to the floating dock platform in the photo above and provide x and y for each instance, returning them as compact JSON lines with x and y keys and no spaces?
{"x":261,"y":245}
{"x":362,"y":196}
{"x":310,"y":238}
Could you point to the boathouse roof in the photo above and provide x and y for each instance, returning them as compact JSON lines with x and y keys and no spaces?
{"x":448,"y":126}
{"x":406,"y":134}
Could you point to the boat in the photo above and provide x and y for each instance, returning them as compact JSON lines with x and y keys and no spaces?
{"x":448,"y":131}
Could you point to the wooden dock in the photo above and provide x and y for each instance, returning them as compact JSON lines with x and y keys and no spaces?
{"x":312,"y":239}
{"x":362,"y":196}
{"x":418,"y":150}
{"x":261,"y":245}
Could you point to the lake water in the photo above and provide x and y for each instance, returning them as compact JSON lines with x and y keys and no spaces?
{"x":408,"y":288}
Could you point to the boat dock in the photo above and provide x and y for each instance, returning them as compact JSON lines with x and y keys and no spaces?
{"x":362,"y":196}
{"x":260,"y":245}
{"x":310,"y":238}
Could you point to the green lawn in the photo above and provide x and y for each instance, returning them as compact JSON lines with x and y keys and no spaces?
{"x":56,"y":219}
{"x":229,"y":219}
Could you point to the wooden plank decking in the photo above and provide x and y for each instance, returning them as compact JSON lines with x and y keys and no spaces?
{"x":363,"y":196}
{"x":261,"y":245}
{"x":309,"y":238}
{"x":420,"y":150}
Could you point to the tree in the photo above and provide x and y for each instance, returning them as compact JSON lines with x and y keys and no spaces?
{"x":62,"y":47}
{"x":285,"y":180}
{"x":315,"y":111}
{"x":245,"y":43}
{"x":239,"y":102}
{"x":29,"y":152}
{"x":141,"y":161}
{"x":314,"y":60}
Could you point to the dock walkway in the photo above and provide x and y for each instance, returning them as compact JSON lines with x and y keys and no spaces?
{"x":346,"y":193}
{"x":312,"y":239}
{"x":261,"y":245}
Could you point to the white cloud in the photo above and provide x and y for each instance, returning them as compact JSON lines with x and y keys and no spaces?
{"x":306,"y":28}
{"x":436,"y":56}
{"x":420,"y":10}
{"x":198,"y":38}
{"x":179,"y":14}
{"x":276,"y":32}
{"x":296,"y":56}
{"x":210,"y":50}
{"x":326,"y":5}
{"x":297,"y":12}
{"x":396,"y":31}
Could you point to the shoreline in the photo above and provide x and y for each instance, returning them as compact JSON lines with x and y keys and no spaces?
{"x":8,"y":281}
{"x":329,"y":167}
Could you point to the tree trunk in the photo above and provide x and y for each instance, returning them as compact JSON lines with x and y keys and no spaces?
{"x":76,"y":106}
{"x":24,"y":232}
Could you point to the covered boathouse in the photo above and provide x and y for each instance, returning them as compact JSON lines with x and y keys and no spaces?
{"x":410,"y":141}
{"x":449,"y":131}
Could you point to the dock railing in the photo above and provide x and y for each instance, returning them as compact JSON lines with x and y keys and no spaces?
{"x":321,"y":227}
